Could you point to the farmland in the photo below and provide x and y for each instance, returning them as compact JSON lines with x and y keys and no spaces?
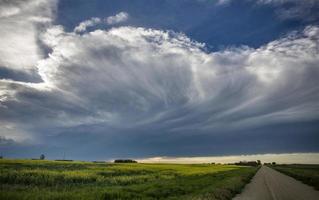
{"x":308,"y":174}
{"x":35,"y":179}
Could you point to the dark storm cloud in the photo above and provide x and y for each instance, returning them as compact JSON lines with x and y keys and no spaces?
{"x":18,"y":75}
{"x":129,"y":91}
{"x":102,"y":142}
{"x":5,"y":141}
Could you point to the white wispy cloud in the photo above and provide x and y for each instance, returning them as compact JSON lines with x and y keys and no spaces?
{"x":87,"y":23}
{"x":21,"y":24}
{"x":111,"y":20}
{"x":118,"y":18}
{"x":223,"y":2}
{"x":131,"y":77}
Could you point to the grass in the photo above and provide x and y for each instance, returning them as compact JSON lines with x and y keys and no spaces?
{"x":35,"y":179}
{"x":308,"y":174}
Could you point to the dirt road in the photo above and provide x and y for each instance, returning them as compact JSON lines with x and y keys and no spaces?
{"x":269,"y":184}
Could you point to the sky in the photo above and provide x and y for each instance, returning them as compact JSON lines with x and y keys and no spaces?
{"x":159,"y":79}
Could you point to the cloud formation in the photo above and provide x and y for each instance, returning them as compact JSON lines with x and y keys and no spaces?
{"x":87,"y":23}
{"x":151,"y":86}
{"x":132,"y":77}
{"x":118,"y":18}
{"x":21,"y":22}
{"x":111,"y":20}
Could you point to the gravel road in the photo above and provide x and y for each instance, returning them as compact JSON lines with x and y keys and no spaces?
{"x":269,"y":184}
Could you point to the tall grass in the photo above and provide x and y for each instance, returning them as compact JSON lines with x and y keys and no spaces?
{"x":26,"y":179}
{"x":308,"y":174}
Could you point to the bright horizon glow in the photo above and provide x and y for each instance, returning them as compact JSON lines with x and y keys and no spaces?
{"x":284,"y":158}
{"x":281,"y":158}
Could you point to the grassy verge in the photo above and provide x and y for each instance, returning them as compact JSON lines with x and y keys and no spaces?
{"x":308,"y":174}
{"x":26,"y":179}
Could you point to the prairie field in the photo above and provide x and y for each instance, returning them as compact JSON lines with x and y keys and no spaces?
{"x":41,"y":179}
{"x":308,"y":174}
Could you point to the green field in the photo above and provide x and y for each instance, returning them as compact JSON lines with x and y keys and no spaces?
{"x":309,"y":174}
{"x":31,"y":179}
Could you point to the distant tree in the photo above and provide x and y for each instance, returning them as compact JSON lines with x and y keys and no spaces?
{"x":267,"y":163}
{"x":273,"y":163}
{"x":247,"y":163}
{"x":125,"y":161}
{"x":42,"y":157}
{"x":258,"y":162}
{"x":1,"y":157}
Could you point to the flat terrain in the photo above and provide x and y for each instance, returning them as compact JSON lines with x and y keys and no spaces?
{"x":26,"y":179}
{"x":308,"y":174}
{"x":269,"y":184}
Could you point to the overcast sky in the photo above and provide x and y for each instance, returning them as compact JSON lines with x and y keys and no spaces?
{"x":100,"y":79}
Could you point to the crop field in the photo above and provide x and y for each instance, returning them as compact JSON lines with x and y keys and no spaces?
{"x":35,"y":179}
{"x":308,"y":174}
